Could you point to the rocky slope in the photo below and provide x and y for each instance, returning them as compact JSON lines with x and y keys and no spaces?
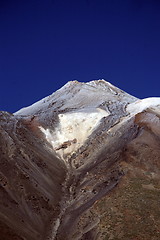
{"x":83,"y":163}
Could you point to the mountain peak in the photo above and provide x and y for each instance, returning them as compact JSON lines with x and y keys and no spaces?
{"x":76,"y":94}
{"x":62,"y":156}
{"x":78,"y":109}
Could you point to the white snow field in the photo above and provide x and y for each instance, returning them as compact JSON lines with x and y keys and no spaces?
{"x":73,"y":129}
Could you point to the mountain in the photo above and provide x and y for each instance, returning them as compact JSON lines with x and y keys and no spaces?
{"x":81,"y":164}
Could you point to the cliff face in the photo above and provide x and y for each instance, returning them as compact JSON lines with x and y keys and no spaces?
{"x":82,"y":163}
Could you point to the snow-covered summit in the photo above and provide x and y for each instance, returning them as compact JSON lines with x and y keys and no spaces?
{"x":69,"y":116}
{"x":78,"y":95}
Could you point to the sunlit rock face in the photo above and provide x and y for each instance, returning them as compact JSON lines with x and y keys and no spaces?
{"x":82,"y":163}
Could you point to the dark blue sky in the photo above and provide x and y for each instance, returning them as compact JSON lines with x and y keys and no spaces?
{"x":45,"y":43}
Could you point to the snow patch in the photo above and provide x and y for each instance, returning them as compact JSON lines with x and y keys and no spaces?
{"x":141,"y":105}
{"x":73,"y":130}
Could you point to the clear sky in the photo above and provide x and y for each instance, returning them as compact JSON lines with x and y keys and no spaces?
{"x":46,"y":43}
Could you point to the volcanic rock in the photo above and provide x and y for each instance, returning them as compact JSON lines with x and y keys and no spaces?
{"x":81,"y":164}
